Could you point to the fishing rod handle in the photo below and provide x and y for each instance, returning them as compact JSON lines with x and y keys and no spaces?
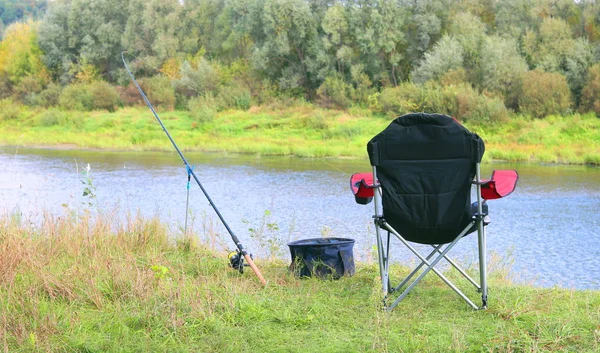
{"x":250,"y":263}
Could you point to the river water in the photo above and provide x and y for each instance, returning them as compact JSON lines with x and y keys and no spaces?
{"x":547,"y":230}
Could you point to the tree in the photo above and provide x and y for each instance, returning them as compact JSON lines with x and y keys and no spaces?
{"x":152,"y":30}
{"x":377,"y":28}
{"x":501,"y":69}
{"x":446,"y":55}
{"x":20,"y":55}
{"x":79,"y":32}
{"x":283,"y":52}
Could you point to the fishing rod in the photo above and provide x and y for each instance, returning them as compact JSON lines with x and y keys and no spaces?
{"x":235,"y":239}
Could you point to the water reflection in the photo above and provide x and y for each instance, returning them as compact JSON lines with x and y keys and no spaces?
{"x":548,"y":226}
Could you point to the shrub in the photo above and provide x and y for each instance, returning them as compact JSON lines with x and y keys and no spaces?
{"x":334,"y":92}
{"x":202,"y":109}
{"x":409,"y":97}
{"x":5,"y":85}
{"x":159,"y":91}
{"x":49,"y":96}
{"x":234,"y":96}
{"x":104,"y":96}
{"x":8,"y":109}
{"x":466,"y":104}
{"x":129,"y":95}
{"x":27,"y":89}
{"x":76,"y":97}
{"x":52,"y":117}
{"x":544,"y":93}
{"x":198,"y":80}
{"x":590,"y":95}
{"x":400,"y":100}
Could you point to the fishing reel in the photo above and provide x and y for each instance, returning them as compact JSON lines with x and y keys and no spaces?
{"x":236,"y":260}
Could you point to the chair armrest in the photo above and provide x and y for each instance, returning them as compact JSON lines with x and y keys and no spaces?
{"x":362,"y":187}
{"x":502,"y":183}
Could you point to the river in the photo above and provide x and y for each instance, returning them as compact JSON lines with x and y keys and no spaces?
{"x":546,"y":231}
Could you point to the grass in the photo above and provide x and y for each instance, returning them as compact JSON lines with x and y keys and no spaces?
{"x":91,"y":284}
{"x":301,"y":130}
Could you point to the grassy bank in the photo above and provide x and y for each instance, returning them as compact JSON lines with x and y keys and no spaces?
{"x":80,"y":286}
{"x":301,"y":130}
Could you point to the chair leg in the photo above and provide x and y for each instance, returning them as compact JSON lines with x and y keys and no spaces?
{"x":482,"y":263}
{"x":462,"y":272}
{"x":430,"y":267}
{"x":382,"y":257}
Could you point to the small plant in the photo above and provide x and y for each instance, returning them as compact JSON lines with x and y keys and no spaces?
{"x":266,"y":235}
{"x":89,"y":189}
{"x":160,"y":271}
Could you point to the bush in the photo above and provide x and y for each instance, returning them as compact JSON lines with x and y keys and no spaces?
{"x":462,"y":102}
{"x":234,"y":96}
{"x":5,"y":85}
{"x":590,"y":95}
{"x":27,"y":89}
{"x":130,"y":95}
{"x":410,"y":97}
{"x":76,"y":97}
{"x":49,"y":96}
{"x":104,"y":96}
{"x":202,"y":109}
{"x":466,"y":104}
{"x":159,"y":91}
{"x":52,"y":117}
{"x":334,"y":92}
{"x":544,"y":94}
{"x":8,"y":110}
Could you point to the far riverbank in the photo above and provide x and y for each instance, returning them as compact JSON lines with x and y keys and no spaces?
{"x":302,"y":131}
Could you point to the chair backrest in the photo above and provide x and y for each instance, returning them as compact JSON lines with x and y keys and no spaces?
{"x":425,"y":164}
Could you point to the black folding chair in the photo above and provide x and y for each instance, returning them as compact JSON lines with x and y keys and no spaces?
{"x":424,"y":168}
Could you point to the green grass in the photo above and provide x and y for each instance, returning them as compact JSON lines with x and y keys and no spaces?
{"x":76,"y":285}
{"x":301,"y":130}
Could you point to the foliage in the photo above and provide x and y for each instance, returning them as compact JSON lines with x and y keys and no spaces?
{"x":27,"y":89}
{"x":203,"y":109}
{"x":159,"y":91}
{"x":446,"y":55}
{"x":52,"y":117}
{"x":104,"y":96}
{"x":318,"y":51}
{"x":334,"y":92}
{"x":544,"y":94}
{"x":49,"y":96}
{"x":590,"y":96}
{"x":8,"y":109}
{"x":234,"y":96}
{"x":76,"y":97}
{"x":20,"y":55}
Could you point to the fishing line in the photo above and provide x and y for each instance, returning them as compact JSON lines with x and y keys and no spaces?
{"x":241,"y":250}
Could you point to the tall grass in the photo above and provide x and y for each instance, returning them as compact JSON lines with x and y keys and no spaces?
{"x":86,"y":284}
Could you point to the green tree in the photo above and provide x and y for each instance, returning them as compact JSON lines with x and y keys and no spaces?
{"x":501,"y":69}
{"x":377,"y":28}
{"x":283,"y":52}
{"x":446,"y":55}
{"x":20,"y":55}
{"x":78,"y":32}
{"x":152,"y":30}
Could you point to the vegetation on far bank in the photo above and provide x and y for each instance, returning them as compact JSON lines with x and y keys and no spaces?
{"x":108,"y":283}
{"x":300,"y":129}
